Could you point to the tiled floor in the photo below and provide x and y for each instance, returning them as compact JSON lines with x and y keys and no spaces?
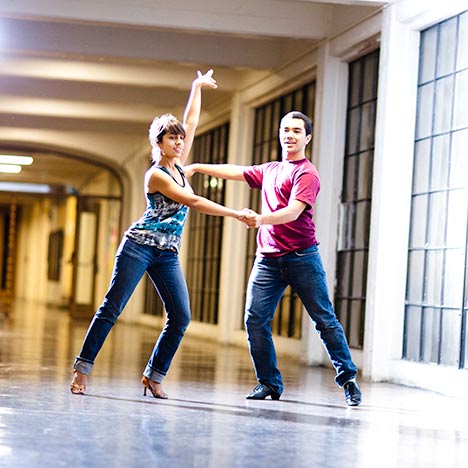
{"x":206,"y":422}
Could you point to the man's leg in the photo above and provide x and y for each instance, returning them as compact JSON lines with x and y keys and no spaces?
{"x":307,"y":277}
{"x":264,"y":291}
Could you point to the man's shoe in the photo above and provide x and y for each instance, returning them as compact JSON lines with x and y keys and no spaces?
{"x":352,"y":393}
{"x":261,"y":391}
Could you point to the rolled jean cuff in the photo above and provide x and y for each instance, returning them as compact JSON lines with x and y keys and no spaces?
{"x":82,"y":366}
{"x":153,"y":375}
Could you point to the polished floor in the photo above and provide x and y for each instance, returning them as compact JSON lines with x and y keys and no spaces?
{"x":206,"y":422}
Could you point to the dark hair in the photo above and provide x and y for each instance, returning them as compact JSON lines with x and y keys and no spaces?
{"x":303,"y":117}
{"x":161,"y":125}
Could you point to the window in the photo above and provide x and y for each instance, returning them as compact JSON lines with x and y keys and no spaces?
{"x":54,"y":255}
{"x":353,"y":247}
{"x":287,"y":321}
{"x":437,"y":295}
{"x":9,"y":215}
{"x":205,"y":235}
{"x":206,"y":232}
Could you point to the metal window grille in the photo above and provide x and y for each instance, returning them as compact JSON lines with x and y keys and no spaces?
{"x":205,"y":234}
{"x":435,"y":328}
{"x":353,"y":240}
{"x":287,"y":321}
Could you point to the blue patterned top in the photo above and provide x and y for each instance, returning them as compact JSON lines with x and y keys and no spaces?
{"x":162,"y":222}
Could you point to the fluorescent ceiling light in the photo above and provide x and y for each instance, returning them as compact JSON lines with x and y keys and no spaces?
{"x":24,"y":187}
{"x":14,"y":159}
{"x":10,"y":168}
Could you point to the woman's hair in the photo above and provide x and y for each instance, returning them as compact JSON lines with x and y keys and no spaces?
{"x":161,"y":125}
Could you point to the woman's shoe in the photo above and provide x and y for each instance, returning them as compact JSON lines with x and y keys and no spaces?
{"x":154,"y":388}
{"x":78,"y":384}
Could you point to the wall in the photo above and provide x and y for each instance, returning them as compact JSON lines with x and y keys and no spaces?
{"x":33,"y":237}
{"x":396,"y":31}
{"x":390,"y":220}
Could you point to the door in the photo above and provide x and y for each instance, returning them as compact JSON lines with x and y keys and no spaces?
{"x":85,"y":258}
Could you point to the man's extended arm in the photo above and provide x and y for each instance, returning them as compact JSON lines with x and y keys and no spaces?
{"x":284,"y":215}
{"x":223,"y":171}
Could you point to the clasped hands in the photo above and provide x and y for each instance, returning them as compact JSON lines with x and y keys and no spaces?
{"x":250,"y":218}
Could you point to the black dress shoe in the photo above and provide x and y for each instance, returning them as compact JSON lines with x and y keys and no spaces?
{"x":352,"y":393}
{"x":261,"y":391}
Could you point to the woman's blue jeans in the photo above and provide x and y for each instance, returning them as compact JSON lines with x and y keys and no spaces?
{"x":303,"y":271}
{"x":131,"y":262}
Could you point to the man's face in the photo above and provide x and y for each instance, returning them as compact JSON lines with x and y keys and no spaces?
{"x":292,"y":135}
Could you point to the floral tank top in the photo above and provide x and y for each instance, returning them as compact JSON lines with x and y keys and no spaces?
{"x":162,"y":222}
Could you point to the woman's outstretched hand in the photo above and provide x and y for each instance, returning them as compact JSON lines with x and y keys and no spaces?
{"x":206,"y":79}
{"x":250,"y":218}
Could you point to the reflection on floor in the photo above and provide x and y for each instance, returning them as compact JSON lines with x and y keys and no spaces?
{"x":206,"y":422}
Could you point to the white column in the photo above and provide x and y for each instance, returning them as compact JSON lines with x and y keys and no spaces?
{"x":232,"y":296}
{"x":328,"y":151}
{"x":391,"y":197}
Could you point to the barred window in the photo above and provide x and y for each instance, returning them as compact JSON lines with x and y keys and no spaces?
{"x":435,"y":327}
{"x":205,"y":234}
{"x":353,"y":241}
{"x":287,"y":321}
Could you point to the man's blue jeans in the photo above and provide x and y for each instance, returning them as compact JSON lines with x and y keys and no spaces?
{"x":303,"y":271}
{"x":131,"y":262}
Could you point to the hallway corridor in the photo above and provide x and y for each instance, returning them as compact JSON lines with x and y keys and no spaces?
{"x":206,"y":422}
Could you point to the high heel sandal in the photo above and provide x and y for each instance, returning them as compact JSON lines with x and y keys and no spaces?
{"x":76,"y":388}
{"x":153,"y":387}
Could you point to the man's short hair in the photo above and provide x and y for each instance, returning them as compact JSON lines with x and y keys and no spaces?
{"x":303,"y":117}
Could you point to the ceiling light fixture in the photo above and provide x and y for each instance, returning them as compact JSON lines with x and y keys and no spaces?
{"x":10,"y":168}
{"x":24,"y":187}
{"x":14,"y":159}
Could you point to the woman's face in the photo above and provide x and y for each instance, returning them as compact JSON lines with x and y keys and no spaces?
{"x":171,"y":145}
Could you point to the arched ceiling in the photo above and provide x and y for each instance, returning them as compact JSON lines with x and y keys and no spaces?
{"x":88,"y":76}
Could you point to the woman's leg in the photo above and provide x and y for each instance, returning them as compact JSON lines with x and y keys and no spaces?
{"x":168,"y":279}
{"x":130,"y":264}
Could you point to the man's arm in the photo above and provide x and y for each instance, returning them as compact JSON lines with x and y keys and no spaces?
{"x":282,"y":216}
{"x":223,"y":171}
